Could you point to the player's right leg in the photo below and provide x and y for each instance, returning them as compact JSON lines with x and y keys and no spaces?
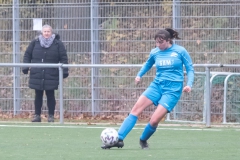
{"x":119,"y":144}
{"x":130,"y":121}
{"x":150,"y":95}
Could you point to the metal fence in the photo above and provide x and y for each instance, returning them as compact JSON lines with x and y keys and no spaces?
{"x":121,"y":32}
{"x":189,"y":109}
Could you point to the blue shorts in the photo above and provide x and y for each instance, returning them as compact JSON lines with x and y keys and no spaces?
{"x":165,"y":93}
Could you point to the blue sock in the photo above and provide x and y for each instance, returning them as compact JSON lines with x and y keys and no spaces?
{"x":127,"y":126}
{"x":148,"y":131}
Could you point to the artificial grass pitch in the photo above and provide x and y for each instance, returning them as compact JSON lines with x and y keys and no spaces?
{"x":80,"y":142}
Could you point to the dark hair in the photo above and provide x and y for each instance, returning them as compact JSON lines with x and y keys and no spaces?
{"x":167,"y":34}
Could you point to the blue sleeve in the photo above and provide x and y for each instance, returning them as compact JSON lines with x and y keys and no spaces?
{"x":147,"y":66}
{"x":187,"y":61}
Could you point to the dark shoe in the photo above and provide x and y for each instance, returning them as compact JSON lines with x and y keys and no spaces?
{"x":144,"y":144}
{"x":50,"y":118}
{"x":36,"y":118}
{"x":119,"y":144}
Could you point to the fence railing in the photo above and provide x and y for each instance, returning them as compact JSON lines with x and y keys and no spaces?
{"x":207,"y":91}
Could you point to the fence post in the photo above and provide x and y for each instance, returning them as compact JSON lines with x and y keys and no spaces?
{"x":95,"y":55}
{"x":16,"y":56}
{"x":176,"y":24}
{"x":225,"y":98}
{"x":208,"y":104}
{"x":176,"y":14}
{"x":61,"y":93}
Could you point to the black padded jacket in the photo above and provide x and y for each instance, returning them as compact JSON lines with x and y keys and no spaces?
{"x":45,"y":78}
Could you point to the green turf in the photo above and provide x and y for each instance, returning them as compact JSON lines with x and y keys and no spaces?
{"x":76,"y":142}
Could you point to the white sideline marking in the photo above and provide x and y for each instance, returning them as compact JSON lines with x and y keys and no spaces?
{"x":92,"y":127}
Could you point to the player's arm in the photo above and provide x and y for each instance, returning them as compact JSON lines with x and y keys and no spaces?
{"x":187,"y":61}
{"x":145,"y":68}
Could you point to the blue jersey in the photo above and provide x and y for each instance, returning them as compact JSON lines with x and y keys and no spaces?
{"x":169,"y":64}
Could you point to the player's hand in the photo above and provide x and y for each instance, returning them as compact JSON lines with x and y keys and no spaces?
{"x":137,"y":80}
{"x":187,"y":89}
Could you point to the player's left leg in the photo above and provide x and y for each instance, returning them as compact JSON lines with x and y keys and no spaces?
{"x":171,"y":93}
{"x":151,"y":127}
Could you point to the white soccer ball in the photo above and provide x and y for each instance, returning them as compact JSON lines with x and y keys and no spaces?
{"x":109,"y":136}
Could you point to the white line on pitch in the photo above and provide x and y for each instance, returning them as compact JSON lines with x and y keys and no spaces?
{"x":92,"y":127}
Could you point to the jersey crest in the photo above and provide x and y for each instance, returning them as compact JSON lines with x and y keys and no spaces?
{"x":174,"y":54}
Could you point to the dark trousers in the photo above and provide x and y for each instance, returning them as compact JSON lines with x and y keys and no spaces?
{"x":51,"y":101}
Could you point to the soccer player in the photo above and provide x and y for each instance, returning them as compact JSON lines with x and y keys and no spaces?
{"x":165,"y":90}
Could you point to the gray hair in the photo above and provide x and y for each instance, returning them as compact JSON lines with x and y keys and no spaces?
{"x":47,"y":26}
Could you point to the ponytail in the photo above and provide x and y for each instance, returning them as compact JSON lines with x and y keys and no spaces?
{"x":167,"y":34}
{"x":173,"y":33}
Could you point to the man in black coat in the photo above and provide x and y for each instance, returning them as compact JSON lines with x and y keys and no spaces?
{"x":46,"y":48}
